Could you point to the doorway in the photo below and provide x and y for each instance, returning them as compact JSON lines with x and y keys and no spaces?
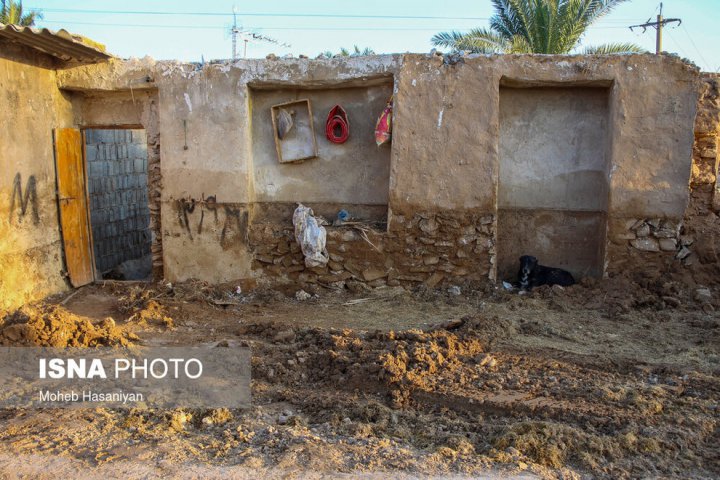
{"x":117,"y":187}
{"x":553,"y":184}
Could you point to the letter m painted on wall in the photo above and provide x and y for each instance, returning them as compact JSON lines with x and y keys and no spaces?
{"x":28,"y":199}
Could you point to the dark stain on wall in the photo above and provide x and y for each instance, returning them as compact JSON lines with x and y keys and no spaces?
{"x":191,"y":214}
{"x":29,"y":198}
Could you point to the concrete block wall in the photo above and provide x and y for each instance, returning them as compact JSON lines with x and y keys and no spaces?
{"x":117,"y":186}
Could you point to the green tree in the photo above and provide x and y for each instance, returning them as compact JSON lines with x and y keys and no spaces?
{"x":11,"y":13}
{"x":536,"y":26}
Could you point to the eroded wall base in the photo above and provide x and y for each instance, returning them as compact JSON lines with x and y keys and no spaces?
{"x":422,"y":247}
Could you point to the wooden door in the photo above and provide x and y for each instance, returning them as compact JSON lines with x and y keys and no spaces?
{"x":72,"y":196}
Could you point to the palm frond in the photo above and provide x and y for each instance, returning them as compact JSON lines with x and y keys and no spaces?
{"x":531,"y":26}
{"x":477,"y":40}
{"x":11,"y":13}
{"x":610,"y":48}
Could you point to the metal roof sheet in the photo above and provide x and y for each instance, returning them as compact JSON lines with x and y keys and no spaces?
{"x":72,"y":49}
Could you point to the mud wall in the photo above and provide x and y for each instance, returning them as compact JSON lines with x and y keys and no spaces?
{"x":31,"y":262}
{"x":227,"y":208}
{"x":355,"y":172}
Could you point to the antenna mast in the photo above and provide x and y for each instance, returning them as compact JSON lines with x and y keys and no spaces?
{"x":234,"y":32}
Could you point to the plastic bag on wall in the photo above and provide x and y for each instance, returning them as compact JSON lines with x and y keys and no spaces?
{"x":383,"y":127}
{"x":310,"y":236}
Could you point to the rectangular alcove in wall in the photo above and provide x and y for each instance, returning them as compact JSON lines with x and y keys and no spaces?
{"x":117,"y":173}
{"x":553,"y":183}
{"x":354,"y":175}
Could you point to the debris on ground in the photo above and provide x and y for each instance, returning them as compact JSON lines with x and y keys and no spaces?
{"x":54,"y":326}
{"x":615,"y":378}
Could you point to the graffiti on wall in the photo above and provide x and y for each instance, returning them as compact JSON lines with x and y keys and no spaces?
{"x":24,"y":200}
{"x":228,"y":222}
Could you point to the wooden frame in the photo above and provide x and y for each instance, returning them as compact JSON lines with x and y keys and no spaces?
{"x":305,"y":148}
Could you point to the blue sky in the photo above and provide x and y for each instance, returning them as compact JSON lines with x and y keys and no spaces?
{"x":189,"y":36}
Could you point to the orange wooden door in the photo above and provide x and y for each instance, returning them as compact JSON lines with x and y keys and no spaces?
{"x":74,"y":218}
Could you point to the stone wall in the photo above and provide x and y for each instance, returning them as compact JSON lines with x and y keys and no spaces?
{"x":700,"y":249}
{"x":425,"y":248}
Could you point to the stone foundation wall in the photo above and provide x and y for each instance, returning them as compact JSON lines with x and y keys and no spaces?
{"x":431,"y":248}
{"x":650,"y":235}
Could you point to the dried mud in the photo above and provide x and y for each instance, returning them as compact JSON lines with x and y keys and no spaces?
{"x":53,"y":326}
{"x":606,"y":379}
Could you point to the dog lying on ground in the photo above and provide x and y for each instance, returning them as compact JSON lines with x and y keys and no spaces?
{"x":533,"y":275}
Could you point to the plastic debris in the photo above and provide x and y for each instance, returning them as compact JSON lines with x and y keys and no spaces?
{"x":383,"y":127}
{"x":285,"y":122}
{"x":310,"y":236}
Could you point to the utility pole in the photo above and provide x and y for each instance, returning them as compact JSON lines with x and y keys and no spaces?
{"x":658,"y":26}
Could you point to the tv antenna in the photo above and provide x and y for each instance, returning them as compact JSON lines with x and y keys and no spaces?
{"x":248,"y":36}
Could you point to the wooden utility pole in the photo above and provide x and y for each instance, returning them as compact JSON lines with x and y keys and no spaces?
{"x":658,"y":26}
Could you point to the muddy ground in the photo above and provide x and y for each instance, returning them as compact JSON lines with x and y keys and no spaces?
{"x":611,"y":379}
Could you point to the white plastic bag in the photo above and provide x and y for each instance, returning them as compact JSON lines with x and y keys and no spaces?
{"x":310,"y":236}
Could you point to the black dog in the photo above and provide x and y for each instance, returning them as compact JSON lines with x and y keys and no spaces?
{"x":533,"y":275}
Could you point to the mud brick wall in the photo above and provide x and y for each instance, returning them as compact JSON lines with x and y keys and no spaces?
{"x":428,"y":248}
{"x":117,"y":185}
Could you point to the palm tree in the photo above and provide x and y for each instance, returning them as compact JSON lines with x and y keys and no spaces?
{"x":11,"y":13}
{"x":536,"y":26}
{"x":344,"y":52}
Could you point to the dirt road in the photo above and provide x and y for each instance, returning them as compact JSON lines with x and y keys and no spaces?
{"x":614,"y":379}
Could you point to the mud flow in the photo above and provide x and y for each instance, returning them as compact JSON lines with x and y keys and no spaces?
{"x":605,"y":379}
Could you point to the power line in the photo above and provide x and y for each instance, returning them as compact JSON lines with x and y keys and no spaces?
{"x":271,"y":14}
{"x":695,"y":47}
{"x":215,"y":27}
{"x":658,"y":26}
{"x":249,"y":14}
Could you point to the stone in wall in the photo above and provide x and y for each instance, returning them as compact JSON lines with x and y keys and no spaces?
{"x":651,"y":235}
{"x":426,"y":248}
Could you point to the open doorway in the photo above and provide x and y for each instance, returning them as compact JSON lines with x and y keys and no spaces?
{"x":553,"y":188}
{"x":117,"y":186}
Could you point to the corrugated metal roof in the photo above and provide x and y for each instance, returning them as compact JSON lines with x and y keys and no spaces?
{"x":72,"y":49}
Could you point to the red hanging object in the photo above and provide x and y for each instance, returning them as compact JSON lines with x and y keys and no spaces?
{"x":337,"y":127}
{"x":383,"y":127}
